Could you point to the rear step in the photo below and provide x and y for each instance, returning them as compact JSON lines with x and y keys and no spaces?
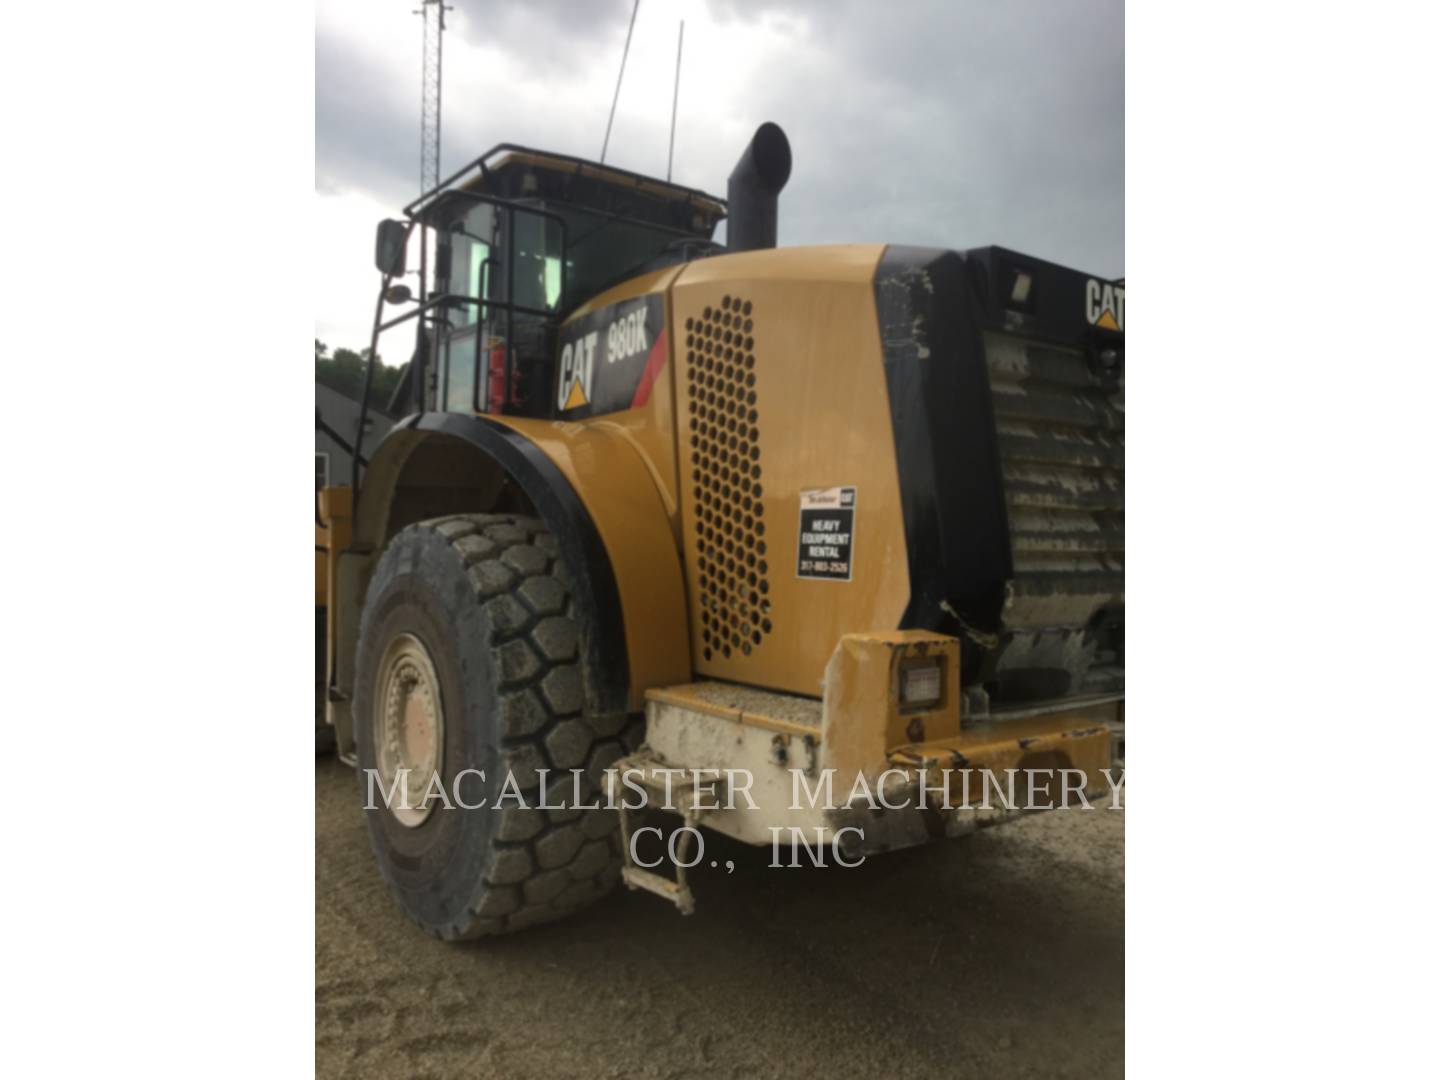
{"x":649,"y":770}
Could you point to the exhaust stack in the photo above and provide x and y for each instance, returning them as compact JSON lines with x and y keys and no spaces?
{"x":754,"y":190}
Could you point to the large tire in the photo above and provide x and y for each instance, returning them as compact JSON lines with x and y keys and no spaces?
{"x":487,"y":597}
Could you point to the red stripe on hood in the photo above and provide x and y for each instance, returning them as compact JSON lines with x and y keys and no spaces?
{"x":656,"y":361}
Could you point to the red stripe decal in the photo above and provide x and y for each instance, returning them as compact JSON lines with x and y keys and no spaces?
{"x":656,"y":361}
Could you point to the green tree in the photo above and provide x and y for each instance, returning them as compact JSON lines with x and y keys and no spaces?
{"x":344,"y":371}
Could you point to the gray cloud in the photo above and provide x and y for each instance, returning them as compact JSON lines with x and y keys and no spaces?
{"x":956,"y":123}
{"x":945,"y":123}
{"x":550,"y":34}
{"x":367,"y":126}
{"x":367,"y":135}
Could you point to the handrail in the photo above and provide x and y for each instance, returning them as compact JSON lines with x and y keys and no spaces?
{"x":507,"y":305}
{"x":353,"y":451}
{"x":385,"y":280}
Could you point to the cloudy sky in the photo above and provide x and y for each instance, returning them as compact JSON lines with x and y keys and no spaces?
{"x":951,"y":123}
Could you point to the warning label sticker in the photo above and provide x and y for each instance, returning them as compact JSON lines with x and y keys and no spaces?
{"x":827,"y":533}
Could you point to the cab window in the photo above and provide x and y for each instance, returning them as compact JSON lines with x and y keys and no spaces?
{"x":495,"y":352}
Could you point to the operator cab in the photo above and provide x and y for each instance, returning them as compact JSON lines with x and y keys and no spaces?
{"x":516,"y":242}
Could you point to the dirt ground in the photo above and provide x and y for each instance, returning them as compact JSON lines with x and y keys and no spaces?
{"x":1000,"y":954}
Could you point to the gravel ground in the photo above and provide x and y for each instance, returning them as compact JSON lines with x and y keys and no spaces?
{"x":1000,"y":954}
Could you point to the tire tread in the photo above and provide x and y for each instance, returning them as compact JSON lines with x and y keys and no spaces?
{"x":512,"y":563}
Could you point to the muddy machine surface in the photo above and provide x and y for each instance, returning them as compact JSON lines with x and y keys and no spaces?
{"x":731,"y":522}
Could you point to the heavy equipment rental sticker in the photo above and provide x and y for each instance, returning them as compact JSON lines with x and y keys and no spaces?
{"x":827,"y":533}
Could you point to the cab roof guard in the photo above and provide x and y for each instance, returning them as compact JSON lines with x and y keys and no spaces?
{"x":606,"y":173}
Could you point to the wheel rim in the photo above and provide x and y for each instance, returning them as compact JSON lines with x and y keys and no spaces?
{"x":409,"y":728}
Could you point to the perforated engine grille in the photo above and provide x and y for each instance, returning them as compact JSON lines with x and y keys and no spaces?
{"x":729,"y":514}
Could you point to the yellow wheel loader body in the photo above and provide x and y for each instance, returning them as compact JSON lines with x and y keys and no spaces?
{"x":843,"y":516}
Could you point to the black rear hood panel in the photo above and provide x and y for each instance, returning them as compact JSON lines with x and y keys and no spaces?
{"x":1008,"y":419}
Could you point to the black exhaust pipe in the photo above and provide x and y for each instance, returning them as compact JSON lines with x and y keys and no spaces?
{"x":754,"y":191}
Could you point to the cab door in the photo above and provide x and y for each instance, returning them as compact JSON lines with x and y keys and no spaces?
{"x":503,"y":274}
{"x":465,"y":255}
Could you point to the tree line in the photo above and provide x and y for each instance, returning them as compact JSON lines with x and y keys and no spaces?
{"x":344,"y":371}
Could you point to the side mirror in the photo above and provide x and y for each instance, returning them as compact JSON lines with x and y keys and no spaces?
{"x":398,"y":294}
{"x":390,"y":237}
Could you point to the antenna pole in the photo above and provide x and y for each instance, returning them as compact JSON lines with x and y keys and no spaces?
{"x":675,"y":104}
{"x":433,"y":12}
{"x":626,"y":53}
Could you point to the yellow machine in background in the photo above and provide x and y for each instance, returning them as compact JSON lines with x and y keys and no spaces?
{"x":850,"y":511}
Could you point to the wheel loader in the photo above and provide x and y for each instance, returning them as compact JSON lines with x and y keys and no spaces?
{"x":717,"y":524}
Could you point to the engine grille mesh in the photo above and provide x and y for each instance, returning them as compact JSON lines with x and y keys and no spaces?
{"x":729,"y":519}
{"x":1061,"y":427}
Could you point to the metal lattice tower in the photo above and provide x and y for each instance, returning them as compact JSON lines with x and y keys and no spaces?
{"x":433,"y":12}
